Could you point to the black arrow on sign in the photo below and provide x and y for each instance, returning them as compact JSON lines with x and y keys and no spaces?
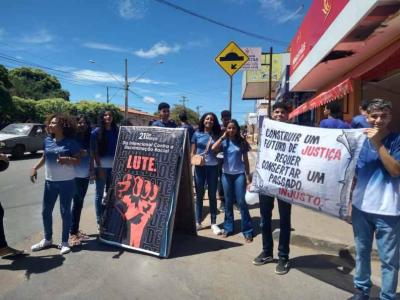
{"x":233,"y":66}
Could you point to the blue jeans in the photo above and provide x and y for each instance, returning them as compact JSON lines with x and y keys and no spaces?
{"x":285,"y":210}
{"x":387,"y":233}
{"x":235,"y":188}
{"x":203,"y":175}
{"x":101,"y":183}
{"x":53,"y":189}
{"x":77,"y":203}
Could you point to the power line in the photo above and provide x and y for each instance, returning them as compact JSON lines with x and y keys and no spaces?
{"x":254,"y":35}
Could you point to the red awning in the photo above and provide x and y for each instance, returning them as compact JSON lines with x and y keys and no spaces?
{"x":338,"y":91}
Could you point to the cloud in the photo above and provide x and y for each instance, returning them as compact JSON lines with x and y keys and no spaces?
{"x":132,"y":9}
{"x":148,"y":99}
{"x":158,"y":49}
{"x":278,"y":11}
{"x":105,"y":77}
{"x":104,"y":46}
{"x":98,"y":96}
{"x":40,"y":37}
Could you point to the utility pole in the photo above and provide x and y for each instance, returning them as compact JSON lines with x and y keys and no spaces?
{"x":126,"y":92}
{"x":108,"y":99}
{"x":184,"y":100}
{"x":198,"y":109}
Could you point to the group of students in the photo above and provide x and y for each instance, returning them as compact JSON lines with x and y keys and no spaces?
{"x":73,"y":157}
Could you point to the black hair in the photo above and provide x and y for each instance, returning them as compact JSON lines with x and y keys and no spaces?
{"x":102,"y":137}
{"x":335,"y":109}
{"x":183,"y":116}
{"x":364,"y":104}
{"x":84,"y":137}
{"x":216,"y":130}
{"x":238,"y":139}
{"x":67,"y":123}
{"x":281,"y":105}
{"x":226,"y":113}
{"x":379,"y":104}
{"x":163,"y":105}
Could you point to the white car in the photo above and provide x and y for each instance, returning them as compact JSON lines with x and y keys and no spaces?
{"x":18,"y":138}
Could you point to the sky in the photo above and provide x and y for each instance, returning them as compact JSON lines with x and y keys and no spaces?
{"x":170,"y":53}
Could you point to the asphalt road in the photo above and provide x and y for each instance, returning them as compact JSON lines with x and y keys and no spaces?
{"x":202,"y":267}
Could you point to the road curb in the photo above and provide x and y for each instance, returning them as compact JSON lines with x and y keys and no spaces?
{"x":322,"y":245}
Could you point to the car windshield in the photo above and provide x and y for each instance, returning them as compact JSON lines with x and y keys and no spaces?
{"x":19,"y":129}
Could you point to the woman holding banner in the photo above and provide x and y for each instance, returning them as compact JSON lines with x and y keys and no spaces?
{"x":103,"y":145}
{"x":207,"y":173}
{"x":235,"y":177}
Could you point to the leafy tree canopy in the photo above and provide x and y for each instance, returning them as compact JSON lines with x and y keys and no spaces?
{"x":193,"y":117}
{"x":92,"y":109}
{"x":35,"y":84}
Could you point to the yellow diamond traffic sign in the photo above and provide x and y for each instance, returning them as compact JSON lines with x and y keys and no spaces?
{"x":231,"y":59}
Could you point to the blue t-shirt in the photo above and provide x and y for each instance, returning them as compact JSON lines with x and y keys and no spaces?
{"x":233,"y":157}
{"x":360,"y":121}
{"x":376,"y":191}
{"x":168,"y":124}
{"x":52,"y":150}
{"x":106,"y":159}
{"x":82,"y":170}
{"x":201,"y":139}
{"x":189,"y":129}
{"x":334,"y":123}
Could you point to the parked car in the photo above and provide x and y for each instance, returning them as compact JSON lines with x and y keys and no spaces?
{"x":18,"y":138}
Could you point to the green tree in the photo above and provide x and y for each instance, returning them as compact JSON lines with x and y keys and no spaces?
{"x":5,"y":97}
{"x":35,"y":84}
{"x":92,"y":109}
{"x":193,"y":117}
{"x":46,"y":107}
{"x":23,"y":110}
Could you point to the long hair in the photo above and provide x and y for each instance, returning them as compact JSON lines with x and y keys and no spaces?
{"x":216,"y":129}
{"x":238,"y":139}
{"x":67,"y":124}
{"x":84,"y":137}
{"x":102,"y":140}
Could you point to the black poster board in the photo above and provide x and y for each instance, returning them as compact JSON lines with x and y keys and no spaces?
{"x":151,"y":192}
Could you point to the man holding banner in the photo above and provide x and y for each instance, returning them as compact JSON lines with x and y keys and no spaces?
{"x":376,"y":203}
{"x":279,"y":113}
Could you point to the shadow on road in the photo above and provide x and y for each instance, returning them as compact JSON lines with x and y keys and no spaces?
{"x":27,"y":156}
{"x":331,"y":269}
{"x":186,"y":245}
{"x":34,"y":264}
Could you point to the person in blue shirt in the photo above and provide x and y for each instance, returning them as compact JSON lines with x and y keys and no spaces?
{"x":83,"y":171}
{"x":334,"y":114}
{"x":163,"y":111}
{"x":61,"y":154}
{"x":360,"y":121}
{"x":208,"y":132}
{"x":103,"y":145}
{"x":235,"y":178}
{"x":185,"y":124}
{"x":376,"y":202}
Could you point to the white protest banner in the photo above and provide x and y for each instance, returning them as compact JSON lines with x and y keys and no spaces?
{"x":312,"y":167}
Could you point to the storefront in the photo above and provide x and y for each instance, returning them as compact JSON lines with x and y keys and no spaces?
{"x":347,"y":51}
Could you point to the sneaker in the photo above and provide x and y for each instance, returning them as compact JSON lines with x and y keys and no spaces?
{"x":10,"y":252}
{"x":43,"y":244}
{"x":248,"y":239}
{"x":262,"y":259}
{"x":64,"y":248}
{"x":74,"y":240}
{"x":359,"y":295}
{"x":216,"y":230}
{"x":83,"y":236}
{"x":199,"y":226}
{"x":282,"y":267}
{"x":225,"y":234}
